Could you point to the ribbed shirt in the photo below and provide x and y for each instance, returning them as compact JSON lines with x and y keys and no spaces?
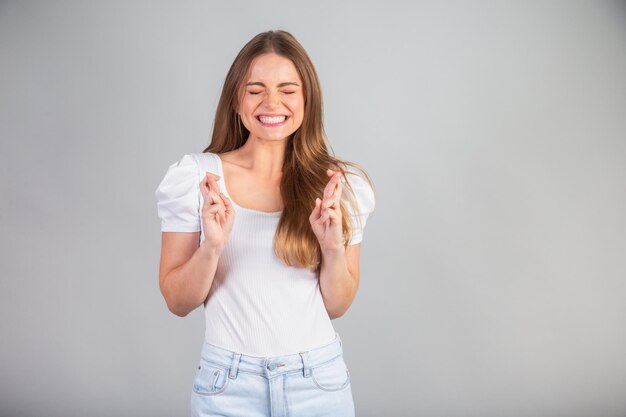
{"x":257,"y":305}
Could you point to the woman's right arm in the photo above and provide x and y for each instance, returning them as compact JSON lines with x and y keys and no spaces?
{"x":186,"y":206}
{"x":186,"y":270}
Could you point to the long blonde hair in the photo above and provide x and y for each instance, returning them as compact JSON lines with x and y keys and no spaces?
{"x":307,"y":153}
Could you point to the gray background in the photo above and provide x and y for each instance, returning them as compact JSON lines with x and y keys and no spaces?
{"x":493,"y":269}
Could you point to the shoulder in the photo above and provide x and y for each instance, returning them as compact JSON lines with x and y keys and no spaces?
{"x":206,"y":161}
{"x":363,"y":190}
{"x":178,"y":196}
{"x":201,"y":156}
{"x":180,"y":175}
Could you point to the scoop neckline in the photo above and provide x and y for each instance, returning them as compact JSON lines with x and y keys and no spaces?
{"x":225,"y":190}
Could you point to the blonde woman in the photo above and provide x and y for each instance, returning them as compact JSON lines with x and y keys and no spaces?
{"x":263,"y":228}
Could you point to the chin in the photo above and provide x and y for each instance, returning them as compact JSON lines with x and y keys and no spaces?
{"x":275,"y":138}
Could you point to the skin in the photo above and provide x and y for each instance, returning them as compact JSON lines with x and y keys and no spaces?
{"x":256,"y":170}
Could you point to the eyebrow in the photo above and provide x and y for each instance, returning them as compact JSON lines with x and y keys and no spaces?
{"x":280,"y":85}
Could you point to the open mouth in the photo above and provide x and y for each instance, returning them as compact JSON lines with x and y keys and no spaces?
{"x":272,"y":120}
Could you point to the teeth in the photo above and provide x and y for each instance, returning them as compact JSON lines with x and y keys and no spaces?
{"x":271,"y":120}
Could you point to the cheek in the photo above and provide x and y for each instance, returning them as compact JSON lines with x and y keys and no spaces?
{"x":247,"y":113}
{"x":298,"y":106}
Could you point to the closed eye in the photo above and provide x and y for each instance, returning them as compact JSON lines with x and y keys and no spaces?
{"x":259,"y":92}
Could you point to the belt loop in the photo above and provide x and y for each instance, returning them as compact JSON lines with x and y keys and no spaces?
{"x":305,"y":363}
{"x":234,"y":366}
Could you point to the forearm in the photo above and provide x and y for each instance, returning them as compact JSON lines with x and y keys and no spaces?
{"x":186,"y":287}
{"x":337,"y":285}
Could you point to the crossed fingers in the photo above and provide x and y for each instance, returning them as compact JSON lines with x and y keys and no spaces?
{"x":332,"y":193}
{"x":210,"y":187}
{"x":217,"y":202}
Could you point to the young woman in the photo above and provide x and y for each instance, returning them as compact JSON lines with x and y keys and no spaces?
{"x":263,"y":228}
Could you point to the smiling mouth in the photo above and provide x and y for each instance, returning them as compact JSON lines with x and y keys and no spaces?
{"x":272,"y":121}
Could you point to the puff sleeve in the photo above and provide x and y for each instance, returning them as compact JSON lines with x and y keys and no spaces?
{"x":366,"y":202}
{"x":178,"y":197}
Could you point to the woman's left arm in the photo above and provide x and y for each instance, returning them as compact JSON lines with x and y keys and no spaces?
{"x":339,"y":272}
{"x":339,"y":279}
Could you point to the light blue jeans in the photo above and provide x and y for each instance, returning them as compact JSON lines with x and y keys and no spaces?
{"x":306,"y":384}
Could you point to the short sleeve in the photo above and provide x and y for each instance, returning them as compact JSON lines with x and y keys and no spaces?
{"x":178,"y":197}
{"x":366,"y":202}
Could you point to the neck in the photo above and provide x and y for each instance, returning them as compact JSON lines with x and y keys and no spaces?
{"x":265,"y":157}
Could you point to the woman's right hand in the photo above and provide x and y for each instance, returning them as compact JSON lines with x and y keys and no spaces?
{"x":218,"y":214}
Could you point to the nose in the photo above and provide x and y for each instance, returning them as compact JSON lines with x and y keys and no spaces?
{"x":272,"y":99}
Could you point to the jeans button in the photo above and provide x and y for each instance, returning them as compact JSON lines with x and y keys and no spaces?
{"x":272,"y":366}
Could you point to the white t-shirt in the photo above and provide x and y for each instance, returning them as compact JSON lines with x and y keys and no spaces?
{"x":257,"y":305}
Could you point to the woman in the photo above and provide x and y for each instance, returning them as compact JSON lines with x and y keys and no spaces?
{"x":258,"y":230}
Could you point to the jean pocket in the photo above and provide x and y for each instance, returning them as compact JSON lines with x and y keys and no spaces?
{"x":210,"y":379}
{"x":331,"y":376}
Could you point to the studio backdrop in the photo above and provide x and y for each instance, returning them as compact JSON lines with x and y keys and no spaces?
{"x":493,"y":275}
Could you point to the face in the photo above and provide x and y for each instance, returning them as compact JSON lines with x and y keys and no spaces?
{"x":272,"y":102}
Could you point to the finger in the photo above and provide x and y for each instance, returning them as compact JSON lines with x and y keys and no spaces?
{"x":214,"y":186}
{"x":214,"y":209}
{"x":219,"y":212}
{"x":333,"y":174}
{"x":338,"y":189}
{"x":331,"y":187}
{"x":328,"y":203}
{"x":211,"y":180}
{"x":227,"y":203}
{"x":204,"y":187}
{"x":318,"y":208}
{"x":214,"y":198}
{"x":332,"y":202}
{"x":324,"y":217}
{"x":209,"y":176}
{"x":334,"y":216}
{"x":330,"y":213}
{"x":315,"y":214}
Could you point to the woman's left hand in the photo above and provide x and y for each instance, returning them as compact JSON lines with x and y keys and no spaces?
{"x":326,"y":216}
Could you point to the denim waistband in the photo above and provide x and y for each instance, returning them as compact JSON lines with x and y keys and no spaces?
{"x":272,"y":365}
